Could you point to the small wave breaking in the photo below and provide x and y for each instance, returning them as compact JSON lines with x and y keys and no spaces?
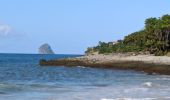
{"x":161,"y":98}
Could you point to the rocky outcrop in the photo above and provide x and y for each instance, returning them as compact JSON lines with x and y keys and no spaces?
{"x":45,"y":49}
{"x":148,"y":64}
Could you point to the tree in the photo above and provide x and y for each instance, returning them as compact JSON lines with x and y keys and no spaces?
{"x":154,"y":38}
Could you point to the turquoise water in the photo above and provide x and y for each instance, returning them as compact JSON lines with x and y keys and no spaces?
{"x":21,"y":78}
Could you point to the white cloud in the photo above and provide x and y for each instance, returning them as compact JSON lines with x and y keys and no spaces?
{"x":5,"y":30}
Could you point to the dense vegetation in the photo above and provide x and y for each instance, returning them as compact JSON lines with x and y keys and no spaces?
{"x":154,"y":38}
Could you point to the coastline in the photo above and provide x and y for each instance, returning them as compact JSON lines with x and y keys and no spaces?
{"x":146,"y":63}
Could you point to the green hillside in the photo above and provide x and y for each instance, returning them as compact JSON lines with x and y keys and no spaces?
{"x":154,"y":38}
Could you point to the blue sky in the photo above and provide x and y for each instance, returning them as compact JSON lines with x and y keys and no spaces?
{"x":70,"y":26}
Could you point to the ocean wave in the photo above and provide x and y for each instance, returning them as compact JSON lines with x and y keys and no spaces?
{"x":81,"y":67}
{"x":9,"y":88}
{"x":136,"y":89}
{"x":164,"y":78}
{"x":161,"y":98}
{"x":1,"y":93}
{"x":150,"y":85}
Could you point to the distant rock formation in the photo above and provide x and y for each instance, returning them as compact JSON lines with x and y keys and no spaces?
{"x":45,"y":49}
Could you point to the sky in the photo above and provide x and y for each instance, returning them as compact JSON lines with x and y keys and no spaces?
{"x":70,"y":26}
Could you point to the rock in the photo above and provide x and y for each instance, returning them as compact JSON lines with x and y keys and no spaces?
{"x":138,"y":63}
{"x":45,"y":49}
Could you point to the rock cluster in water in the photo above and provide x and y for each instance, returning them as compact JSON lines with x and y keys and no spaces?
{"x":145,"y":63}
{"x":45,"y":49}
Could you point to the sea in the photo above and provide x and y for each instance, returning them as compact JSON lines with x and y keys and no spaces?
{"x":22,"y":78}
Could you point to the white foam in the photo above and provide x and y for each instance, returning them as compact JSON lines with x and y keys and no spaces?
{"x":130,"y":99}
{"x":81,"y":66}
{"x":148,"y":84}
{"x":136,"y":89}
{"x":163,"y":98}
{"x":151,"y":85}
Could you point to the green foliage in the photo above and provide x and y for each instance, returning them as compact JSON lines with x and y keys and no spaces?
{"x":154,"y":38}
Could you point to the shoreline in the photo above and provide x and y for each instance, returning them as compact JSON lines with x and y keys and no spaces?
{"x":146,"y":63}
